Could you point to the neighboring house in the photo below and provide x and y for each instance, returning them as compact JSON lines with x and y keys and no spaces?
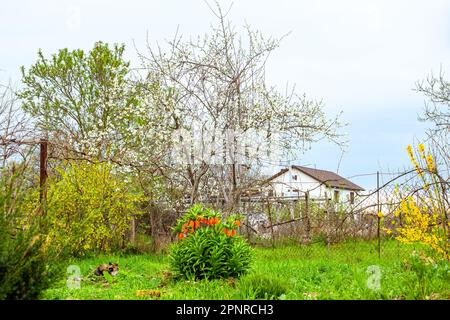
{"x":321,"y":185}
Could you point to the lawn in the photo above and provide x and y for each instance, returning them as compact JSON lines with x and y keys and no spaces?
{"x":343,"y":271}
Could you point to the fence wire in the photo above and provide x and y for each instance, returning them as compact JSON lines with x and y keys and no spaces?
{"x":274,"y":221}
{"x":370,"y":218}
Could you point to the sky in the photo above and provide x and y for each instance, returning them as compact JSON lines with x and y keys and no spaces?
{"x":359,"y":57}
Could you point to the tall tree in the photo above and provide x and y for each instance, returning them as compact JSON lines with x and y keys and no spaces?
{"x":230,"y":113}
{"x":436,"y":89}
{"x":92,"y":107}
{"x":437,"y":108}
{"x":14,"y":126}
{"x":89,"y":104}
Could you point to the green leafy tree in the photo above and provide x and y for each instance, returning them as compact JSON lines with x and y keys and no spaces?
{"x":88,"y":103}
{"x":230,"y":119}
{"x":91,"y":106}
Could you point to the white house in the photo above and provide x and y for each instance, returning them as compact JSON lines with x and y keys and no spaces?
{"x":320,"y":185}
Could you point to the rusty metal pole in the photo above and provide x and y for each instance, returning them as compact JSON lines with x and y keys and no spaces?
{"x":307,"y":221}
{"x":269,"y":213}
{"x":43,"y":174}
{"x":133,"y":229}
{"x":378,"y":215}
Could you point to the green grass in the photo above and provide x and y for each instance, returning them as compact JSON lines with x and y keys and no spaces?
{"x":288,"y":272}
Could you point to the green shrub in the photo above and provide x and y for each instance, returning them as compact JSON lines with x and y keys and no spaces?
{"x":27,"y":264}
{"x":25,"y":269}
{"x":209,"y":246}
{"x":89,"y":208}
{"x":259,"y":286}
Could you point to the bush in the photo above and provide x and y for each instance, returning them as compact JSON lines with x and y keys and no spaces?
{"x":89,"y":208}
{"x":424,"y":212}
{"x":209,"y":246}
{"x":27,"y":265}
{"x":25,"y":268}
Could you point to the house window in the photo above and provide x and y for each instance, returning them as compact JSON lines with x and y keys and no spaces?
{"x":352,"y":197}
{"x":336,"y":195}
{"x":294,"y":177}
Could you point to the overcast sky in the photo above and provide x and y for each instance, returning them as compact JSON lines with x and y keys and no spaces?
{"x":361,"y":57}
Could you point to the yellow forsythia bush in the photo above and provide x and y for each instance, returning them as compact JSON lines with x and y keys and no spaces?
{"x":89,"y":208}
{"x":424,"y":215}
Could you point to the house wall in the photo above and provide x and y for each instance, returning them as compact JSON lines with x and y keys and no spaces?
{"x":284,"y":186}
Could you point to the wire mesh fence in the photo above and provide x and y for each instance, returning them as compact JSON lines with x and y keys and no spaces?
{"x":302,"y":220}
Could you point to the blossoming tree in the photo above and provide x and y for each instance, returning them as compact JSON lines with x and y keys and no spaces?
{"x":221,"y":98}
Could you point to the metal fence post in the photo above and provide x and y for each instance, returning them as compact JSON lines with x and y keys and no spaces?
{"x":43,"y":174}
{"x":307,"y":219}
{"x":133,"y":229}
{"x":269,"y":213}
{"x":378,"y":214}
